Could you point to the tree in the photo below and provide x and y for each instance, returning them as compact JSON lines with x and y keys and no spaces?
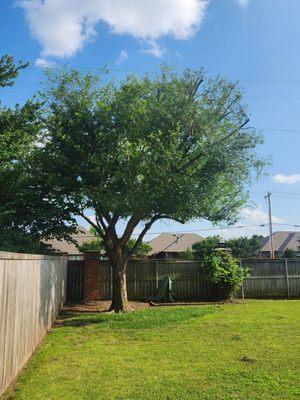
{"x":9,"y":70}
{"x":141,"y":251}
{"x":174,"y":146}
{"x":289,"y":253}
{"x":25,"y":214}
{"x":244,"y":247}
{"x":18,"y":130}
{"x":188,"y":254}
{"x":206,"y":247}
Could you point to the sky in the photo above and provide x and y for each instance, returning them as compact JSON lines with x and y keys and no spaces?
{"x":254,"y":42}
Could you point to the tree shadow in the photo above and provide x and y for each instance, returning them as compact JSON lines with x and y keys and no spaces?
{"x":76,"y":322}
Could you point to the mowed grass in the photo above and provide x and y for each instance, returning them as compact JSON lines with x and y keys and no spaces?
{"x":233,"y":351}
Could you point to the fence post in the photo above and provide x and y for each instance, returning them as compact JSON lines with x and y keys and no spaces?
{"x":243,"y":294}
{"x":287,"y":278}
{"x":111,"y":282}
{"x":156,"y":274}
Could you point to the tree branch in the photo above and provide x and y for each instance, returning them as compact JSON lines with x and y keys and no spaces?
{"x":228,"y":108}
{"x":100,"y":222}
{"x":191,"y":161}
{"x":97,"y":227}
{"x":195,"y":87}
{"x":132,"y":223}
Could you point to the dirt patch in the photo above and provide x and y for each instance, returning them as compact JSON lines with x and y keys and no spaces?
{"x":103,"y":306}
{"x":99,"y":306}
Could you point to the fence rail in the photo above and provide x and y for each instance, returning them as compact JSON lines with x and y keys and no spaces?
{"x":32,"y":290}
{"x":272,"y":278}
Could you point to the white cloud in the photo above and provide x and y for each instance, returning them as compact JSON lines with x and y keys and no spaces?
{"x":249,"y":224}
{"x":155,"y":49}
{"x":123,"y":56}
{"x":43,"y":63}
{"x":257,"y":215}
{"x":286,"y":179}
{"x":63,"y":26}
{"x":243,"y":3}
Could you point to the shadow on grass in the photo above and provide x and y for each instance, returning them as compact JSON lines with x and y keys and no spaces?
{"x":150,"y":318}
{"x":78,"y":319}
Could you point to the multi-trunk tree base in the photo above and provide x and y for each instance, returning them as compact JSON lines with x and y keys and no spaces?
{"x":119,"y":302}
{"x":120,"y":308}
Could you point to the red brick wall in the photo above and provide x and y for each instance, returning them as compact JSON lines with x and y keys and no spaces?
{"x":91,"y":277}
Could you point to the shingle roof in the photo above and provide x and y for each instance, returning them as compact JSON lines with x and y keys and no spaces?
{"x":82,"y":236}
{"x":282,"y":240}
{"x":169,"y":242}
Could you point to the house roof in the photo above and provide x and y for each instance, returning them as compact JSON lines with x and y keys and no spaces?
{"x":82,"y":236}
{"x":282,"y":240}
{"x":169,"y":242}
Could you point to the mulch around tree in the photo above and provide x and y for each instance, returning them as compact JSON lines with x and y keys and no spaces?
{"x":103,"y":306}
{"x":99,"y":306}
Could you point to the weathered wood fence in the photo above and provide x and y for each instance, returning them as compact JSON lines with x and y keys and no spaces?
{"x":32,"y":290}
{"x":268,"y":279}
{"x":272,"y":278}
{"x":143,"y":277}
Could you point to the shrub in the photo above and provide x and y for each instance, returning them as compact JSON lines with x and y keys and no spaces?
{"x":224,"y":271}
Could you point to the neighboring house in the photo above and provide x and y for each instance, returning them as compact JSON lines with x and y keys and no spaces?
{"x":282,"y":241}
{"x":171,"y":246}
{"x":65,"y":247}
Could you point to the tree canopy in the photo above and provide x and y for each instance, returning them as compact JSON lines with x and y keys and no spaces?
{"x":174,"y":146}
{"x":25,"y":216}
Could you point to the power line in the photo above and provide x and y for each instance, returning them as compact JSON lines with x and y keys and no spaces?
{"x":205,"y":229}
{"x":259,"y":107}
{"x":288,"y":193}
{"x":189,"y":231}
{"x":125,"y":70}
{"x":279,"y":129}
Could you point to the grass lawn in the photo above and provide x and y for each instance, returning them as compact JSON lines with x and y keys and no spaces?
{"x":235,"y":351}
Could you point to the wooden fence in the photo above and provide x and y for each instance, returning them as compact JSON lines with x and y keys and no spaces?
{"x":32,"y":290}
{"x":272,"y":278}
{"x":143,"y":277}
{"x":269,"y":279}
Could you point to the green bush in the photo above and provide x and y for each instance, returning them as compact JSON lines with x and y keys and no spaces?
{"x":222,"y":269}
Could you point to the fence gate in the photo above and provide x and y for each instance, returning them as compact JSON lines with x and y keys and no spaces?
{"x":75,"y":281}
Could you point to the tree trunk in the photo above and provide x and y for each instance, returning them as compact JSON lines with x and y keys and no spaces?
{"x":119,"y":288}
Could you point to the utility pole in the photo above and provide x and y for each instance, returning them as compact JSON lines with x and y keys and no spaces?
{"x":272,"y":254}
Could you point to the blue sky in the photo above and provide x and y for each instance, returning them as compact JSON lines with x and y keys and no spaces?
{"x":255,"y":42}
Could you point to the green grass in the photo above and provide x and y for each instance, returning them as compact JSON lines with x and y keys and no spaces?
{"x":234,"y":351}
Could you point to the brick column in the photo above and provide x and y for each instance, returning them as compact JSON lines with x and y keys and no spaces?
{"x":91,"y":277}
